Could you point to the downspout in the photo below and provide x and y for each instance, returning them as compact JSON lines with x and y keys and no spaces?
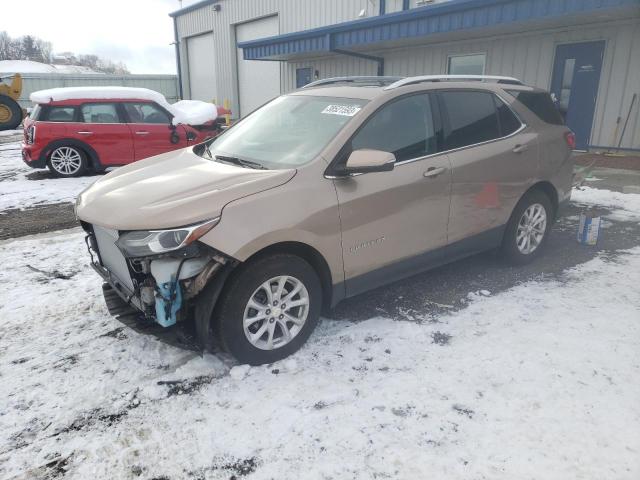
{"x":405,"y":5}
{"x":383,"y":7}
{"x":176,"y":42}
{"x":373,"y":58}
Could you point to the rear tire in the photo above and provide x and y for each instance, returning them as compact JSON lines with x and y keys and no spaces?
{"x":67,"y":161}
{"x":528,"y":228}
{"x":257,"y":326}
{"x":10,"y":113}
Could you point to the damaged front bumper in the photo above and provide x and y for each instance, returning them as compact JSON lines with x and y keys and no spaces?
{"x":161,"y":287}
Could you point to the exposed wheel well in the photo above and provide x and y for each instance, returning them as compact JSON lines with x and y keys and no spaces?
{"x":550,"y":191}
{"x":311,"y":255}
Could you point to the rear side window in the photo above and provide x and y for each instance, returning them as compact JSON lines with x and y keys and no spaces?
{"x":509,"y":123}
{"x":472,"y":118}
{"x":403,"y":127}
{"x":60,"y":114}
{"x":99,"y":113}
{"x":540,"y":104}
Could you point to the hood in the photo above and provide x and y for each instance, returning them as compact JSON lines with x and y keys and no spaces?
{"x":170,"y":190}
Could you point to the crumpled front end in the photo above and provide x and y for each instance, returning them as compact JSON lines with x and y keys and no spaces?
{"x":161,"y":286}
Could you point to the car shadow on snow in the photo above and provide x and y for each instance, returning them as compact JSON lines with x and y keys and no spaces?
{"x":425,"y":297}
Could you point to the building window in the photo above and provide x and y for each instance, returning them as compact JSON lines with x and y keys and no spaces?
{"x":466,"y":64}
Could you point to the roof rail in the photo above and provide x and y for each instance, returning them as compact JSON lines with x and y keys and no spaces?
{"x":365,"y":80}
{"x":438,"y":78}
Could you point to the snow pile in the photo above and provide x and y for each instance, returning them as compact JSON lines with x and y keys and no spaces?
{"x":540,"y":381}
{"x":189,"y":112}
{"x":21,"y":186}
{"x":10,"y":133}
{"x":193,"y":112}
{"x":626,"y":205}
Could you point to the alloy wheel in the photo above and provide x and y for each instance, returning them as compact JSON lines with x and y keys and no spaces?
{"x":66,"y":160}
{"x":276,"y":312}
{"x":531,"y":228}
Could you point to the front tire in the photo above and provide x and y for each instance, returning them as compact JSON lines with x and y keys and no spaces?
{"x":268,"y":309}
{"x":528,"y":228}
{"x":67,"y":161}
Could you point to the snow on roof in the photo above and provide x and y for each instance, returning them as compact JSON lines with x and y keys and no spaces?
{"x":190,"y":112}
{"x":27,"y":66}
{"x":24,"y":66}
{"x":79,"y":93}
{"x":75,"y":69}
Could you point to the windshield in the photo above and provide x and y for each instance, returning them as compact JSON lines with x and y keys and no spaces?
{"x":287,"y":132}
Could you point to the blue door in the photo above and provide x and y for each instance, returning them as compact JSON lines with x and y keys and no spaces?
{"x":576,"y":75}
{"x":303,"y":77}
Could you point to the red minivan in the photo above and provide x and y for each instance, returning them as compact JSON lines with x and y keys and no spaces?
{"x":73,"y":136}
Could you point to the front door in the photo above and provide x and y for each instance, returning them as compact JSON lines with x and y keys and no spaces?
{"x":150,"y":127}
{"x":390,"y":219}
{"x":576,"y":76}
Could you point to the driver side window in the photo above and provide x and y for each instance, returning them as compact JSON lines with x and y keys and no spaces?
{"x":146,"y":113}
{"x":403,"y":127}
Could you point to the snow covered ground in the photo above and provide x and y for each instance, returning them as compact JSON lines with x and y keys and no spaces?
{"x":24,"y":187}
{"x":537,"y":382}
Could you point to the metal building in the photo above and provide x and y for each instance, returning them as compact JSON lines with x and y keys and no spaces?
{"x":587,"y":52}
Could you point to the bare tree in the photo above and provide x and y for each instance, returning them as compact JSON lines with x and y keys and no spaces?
{"x":38,"y":50}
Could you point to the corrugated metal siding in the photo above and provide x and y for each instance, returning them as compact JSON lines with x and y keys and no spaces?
{"x":294,"y":15}
{"x":32,"y":82}
{"x":528,"y":56}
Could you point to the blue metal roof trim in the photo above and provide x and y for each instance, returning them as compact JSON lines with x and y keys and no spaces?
{"x":440,"y":18}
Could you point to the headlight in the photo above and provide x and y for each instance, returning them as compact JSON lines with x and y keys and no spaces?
{"x":141,"y":243}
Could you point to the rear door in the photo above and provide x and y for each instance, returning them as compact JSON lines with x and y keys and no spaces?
{"x":105,"y":131}
{"x":150,"y":126}
{"x":494,"y":158}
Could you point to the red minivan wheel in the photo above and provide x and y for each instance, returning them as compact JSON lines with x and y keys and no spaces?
{"x":67,"y":161}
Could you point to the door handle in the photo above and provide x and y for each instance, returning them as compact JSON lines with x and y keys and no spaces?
{"x":84,"y":132}
{"x":434,"y":171}
{"x":142,"y":133}
{"x":520,"y":148}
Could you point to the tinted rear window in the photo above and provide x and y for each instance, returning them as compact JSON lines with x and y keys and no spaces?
{"x":60,"y":114}
{"x":472,"y":118}
{"x":541,"y":104}
{"x":509,"y":123}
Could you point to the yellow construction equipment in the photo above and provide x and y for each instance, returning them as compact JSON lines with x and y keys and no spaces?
{"x":10,"y":111}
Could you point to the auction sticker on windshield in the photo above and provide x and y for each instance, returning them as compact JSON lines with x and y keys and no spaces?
{"x":345,"y":110}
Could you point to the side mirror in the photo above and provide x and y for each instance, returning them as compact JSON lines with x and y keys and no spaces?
{"x":367,"y":161}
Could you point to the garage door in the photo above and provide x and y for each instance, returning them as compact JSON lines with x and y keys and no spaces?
{"x":202,"y":67}
{"x":258,"y":81}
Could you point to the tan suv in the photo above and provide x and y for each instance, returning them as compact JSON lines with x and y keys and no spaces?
{"x":324,"y":193}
